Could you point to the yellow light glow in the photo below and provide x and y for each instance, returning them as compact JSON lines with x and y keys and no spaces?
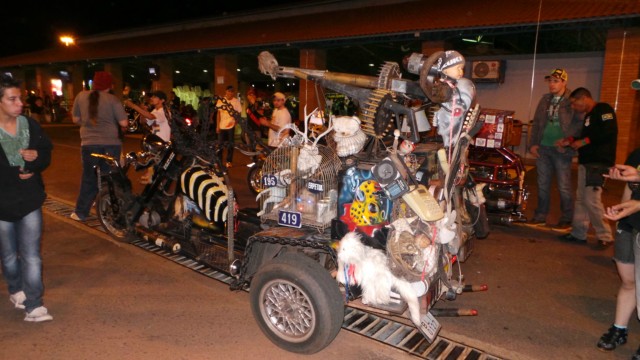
{"x":67,"y":40}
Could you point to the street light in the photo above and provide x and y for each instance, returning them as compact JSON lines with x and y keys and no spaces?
{"x":67,"y":40}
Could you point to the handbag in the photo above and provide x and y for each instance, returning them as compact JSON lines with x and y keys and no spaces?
{"x":594,"y":174}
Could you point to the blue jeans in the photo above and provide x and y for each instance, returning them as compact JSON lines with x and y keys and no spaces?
{"x":553,"y":161}
{"x":89,"y":184}
{"x":21,"y":260}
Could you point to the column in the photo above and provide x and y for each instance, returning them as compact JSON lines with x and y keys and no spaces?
{"x":165,"y":78}
{"x":310,"y":59}
{"x":225,"y":73}
{"x":43,"y":80}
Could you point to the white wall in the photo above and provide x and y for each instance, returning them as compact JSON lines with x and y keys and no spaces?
{"x":524,"y":84}
{"x":517,"y":92}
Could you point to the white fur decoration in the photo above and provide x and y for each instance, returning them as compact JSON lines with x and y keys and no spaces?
{"x":346,"y":126}
{"x":372,"y":273}
{"x":348,"y":135}
{"x":446,"y":228}
{"x":309,"y":159}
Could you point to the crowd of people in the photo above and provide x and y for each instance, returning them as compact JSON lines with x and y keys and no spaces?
{"x":567,"y":124}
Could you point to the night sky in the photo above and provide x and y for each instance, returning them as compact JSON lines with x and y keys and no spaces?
{"x":38,"y":26}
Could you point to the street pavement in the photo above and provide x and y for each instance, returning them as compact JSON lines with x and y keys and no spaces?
{"x":546,"y":299}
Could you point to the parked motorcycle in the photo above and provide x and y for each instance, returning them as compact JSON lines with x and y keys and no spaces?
{"x":189,"y":206}
{"x":253,"y":147}
{"x":134,"y":120}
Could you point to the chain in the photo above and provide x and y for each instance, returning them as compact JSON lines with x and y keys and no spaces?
{"x":314,"y":241}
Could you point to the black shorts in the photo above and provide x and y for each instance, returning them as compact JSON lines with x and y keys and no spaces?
{"x":623,"y":246}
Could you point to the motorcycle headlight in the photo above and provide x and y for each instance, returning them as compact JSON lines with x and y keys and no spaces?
{"x":154,"y":144}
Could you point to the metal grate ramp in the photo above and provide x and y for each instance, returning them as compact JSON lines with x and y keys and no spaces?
{"x":388,"y":331}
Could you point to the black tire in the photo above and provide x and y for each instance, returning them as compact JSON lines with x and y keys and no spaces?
{"x":254,"y":178}
{"x":297,"y":304}
{"x":113,"y":223}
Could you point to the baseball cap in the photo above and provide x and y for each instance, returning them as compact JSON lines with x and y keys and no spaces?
{"x":102,"y":80}
{"x":159,"y":94}
{"x":558,"y":74}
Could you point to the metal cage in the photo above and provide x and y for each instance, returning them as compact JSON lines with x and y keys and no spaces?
{"x":307,"y":185}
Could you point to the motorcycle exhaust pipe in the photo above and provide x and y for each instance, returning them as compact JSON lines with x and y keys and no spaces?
{"x":159,"y":240}
{"x":235,"y":268}
{"x":505,"y":219}
{"x":447,"y":312}
{"x":500,"y":219}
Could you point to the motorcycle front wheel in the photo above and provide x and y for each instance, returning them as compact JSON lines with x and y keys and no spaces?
{"x":254,"y":178}
{"x":112,"y":215}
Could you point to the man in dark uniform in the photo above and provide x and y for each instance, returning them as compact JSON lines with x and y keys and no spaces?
{"x":596,"y":153}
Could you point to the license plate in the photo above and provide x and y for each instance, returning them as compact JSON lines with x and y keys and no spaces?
{"x":269,"y":180}
{"x":290,"y":218}
{"x":429,"y":327}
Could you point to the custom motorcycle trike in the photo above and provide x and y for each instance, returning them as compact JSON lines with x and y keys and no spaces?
{"x":363,"y":214}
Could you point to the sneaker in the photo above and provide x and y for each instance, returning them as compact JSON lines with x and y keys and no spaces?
{"x":38,"y":314}
{"x":75,"y":217}
{"x":18,"y":299}
{"x":229,"y":165}
{"x":570,"y":238}
{"x":613,"y":337}
{"x":636,"y":356}
{"x":562,"y":225}
{"x":603,"y":245}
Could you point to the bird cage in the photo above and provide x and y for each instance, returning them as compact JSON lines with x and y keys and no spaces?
{"x":300,"y":186}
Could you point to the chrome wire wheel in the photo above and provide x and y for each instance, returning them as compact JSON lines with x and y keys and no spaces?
{"x":112,"y":221}
{"x":286,"y":309}
{"x":254,"y":178}
{"x":296,"y":303}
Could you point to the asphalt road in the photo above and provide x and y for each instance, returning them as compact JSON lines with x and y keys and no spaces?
{"x":546,"y":300}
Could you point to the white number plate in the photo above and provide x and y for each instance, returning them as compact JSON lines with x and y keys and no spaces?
{"x":290,"y":218}
{"x":269,"y":181}
{"x":429,"y":327}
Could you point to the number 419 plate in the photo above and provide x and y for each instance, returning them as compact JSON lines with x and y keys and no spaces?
{"x":429,"y":326}
{"x":290,"y":218}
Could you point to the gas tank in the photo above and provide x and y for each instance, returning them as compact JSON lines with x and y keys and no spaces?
{"x":208,"y":191}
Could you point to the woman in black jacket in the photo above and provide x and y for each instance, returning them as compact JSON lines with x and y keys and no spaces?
{"x":25,"y":151}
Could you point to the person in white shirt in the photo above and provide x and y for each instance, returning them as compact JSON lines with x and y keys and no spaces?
{"x":279,"y":119}
{"x":158,"y":118}
{"x":226,"y":123}
{"x":158,"y":121}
